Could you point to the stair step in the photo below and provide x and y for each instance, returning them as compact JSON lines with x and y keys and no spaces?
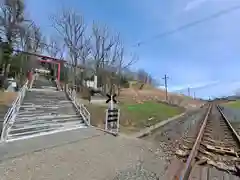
{"x":29,"y":126}
{"x":42,"y":131}
{"x":32,"y":128}
{"x":68,"y":111}
{"x":47,"y":102}
{"x":44,"y":90}
{"x":37,"y":112}
{"x":29,"y":133}
{"x":42,"y":113}
{"x":23,"y":108}
{"x":50,"y":96}
{"x":46,"y":117}
{"x":47,"y":123}
{"x":32,"y":108}
{"x":48,"y":120}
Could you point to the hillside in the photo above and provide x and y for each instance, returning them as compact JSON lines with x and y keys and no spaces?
{"x":133,"y":93}
{"x":142,"y":108}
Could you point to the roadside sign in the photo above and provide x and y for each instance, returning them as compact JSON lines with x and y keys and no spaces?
{"x":112,"y":115}
{"x":111,"y":98}
{"x":112,"y":120}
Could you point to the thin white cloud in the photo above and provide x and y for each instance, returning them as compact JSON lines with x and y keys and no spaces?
{"x":195,"y":85}
{"x":194,"y":4}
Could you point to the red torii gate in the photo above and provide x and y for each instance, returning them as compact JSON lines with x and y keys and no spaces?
{"x":53,"y":62}
{"x":47,"y":59}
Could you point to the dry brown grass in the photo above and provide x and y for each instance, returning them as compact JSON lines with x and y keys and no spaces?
{"x":151,"y":94}
{"x":7,"y":98}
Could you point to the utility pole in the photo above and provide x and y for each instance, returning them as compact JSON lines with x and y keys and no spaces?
{"x":166,"y":86}
{"x":188,"y":91}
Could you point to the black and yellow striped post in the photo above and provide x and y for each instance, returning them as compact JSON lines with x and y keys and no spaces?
{"x":112,"y":115}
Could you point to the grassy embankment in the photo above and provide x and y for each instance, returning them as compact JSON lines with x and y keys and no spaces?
{"x":135,"y":117}
{"x":233,"y":104}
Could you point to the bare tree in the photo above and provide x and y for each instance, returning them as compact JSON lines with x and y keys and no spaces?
{"x":24,"y":39}
{"x":71,"y":28}
{"x":32,"y":41}
{"x":142,"y":76}
{"x":36,"y":39}
{"x":102,"y":45}
{"x":11,"y":19}
{"x":123,"y":64}
{"x":55,"y":48}
{"x":11,"y":22}
{"x":24,"y":45}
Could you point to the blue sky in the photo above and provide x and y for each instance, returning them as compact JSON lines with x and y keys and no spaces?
{"x":205,"y":57}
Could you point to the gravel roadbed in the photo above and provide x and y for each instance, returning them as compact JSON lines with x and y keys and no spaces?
{"x":168,"y":137}
{"x":233,"y":116}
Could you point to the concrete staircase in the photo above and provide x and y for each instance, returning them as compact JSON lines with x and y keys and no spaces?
{"x":43,"y":83}
{"x":44,"y":110}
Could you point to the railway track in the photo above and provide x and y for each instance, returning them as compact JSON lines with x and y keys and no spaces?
{"x":217,"y":144}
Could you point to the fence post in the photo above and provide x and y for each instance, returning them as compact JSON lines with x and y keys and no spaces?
{"x":66,"y":87}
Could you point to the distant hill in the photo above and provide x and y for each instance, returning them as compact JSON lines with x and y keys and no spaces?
{"x":138,"y":92}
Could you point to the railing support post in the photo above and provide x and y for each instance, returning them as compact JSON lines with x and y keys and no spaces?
{"x":71,"y":93}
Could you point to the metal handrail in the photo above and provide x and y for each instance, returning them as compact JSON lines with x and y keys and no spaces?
{"x":79,"y":106}
{"x":12,"y":112}
{"x":85,"y":113}
{"x":59,"y":88}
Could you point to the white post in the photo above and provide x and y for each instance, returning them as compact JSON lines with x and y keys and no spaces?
{"x":95,"y":81}
{"x":118,"y":121}
{"x":106,"y":120}
{"x":111,"y":103}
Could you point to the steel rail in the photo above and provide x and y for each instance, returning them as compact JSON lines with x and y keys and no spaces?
{"x":191,"y":158}
{"x":229,"y":124}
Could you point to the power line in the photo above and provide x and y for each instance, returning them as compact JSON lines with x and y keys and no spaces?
{"x":188,"y":25}
{"x":180,"y":28}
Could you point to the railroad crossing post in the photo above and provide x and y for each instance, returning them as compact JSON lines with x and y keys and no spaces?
{"x":112,"y":115}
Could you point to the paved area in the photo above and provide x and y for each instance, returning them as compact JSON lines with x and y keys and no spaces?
{"x":86,"y":154}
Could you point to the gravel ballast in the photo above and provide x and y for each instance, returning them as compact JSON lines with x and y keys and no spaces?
{"x":168,"y":137}
{"x":137,"y":173}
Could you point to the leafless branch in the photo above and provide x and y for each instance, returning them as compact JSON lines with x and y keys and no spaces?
{"x":36,"y":38}
{"x":71,"y":28}
{"x":12,"y":19}
{"x":102,"y":45}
